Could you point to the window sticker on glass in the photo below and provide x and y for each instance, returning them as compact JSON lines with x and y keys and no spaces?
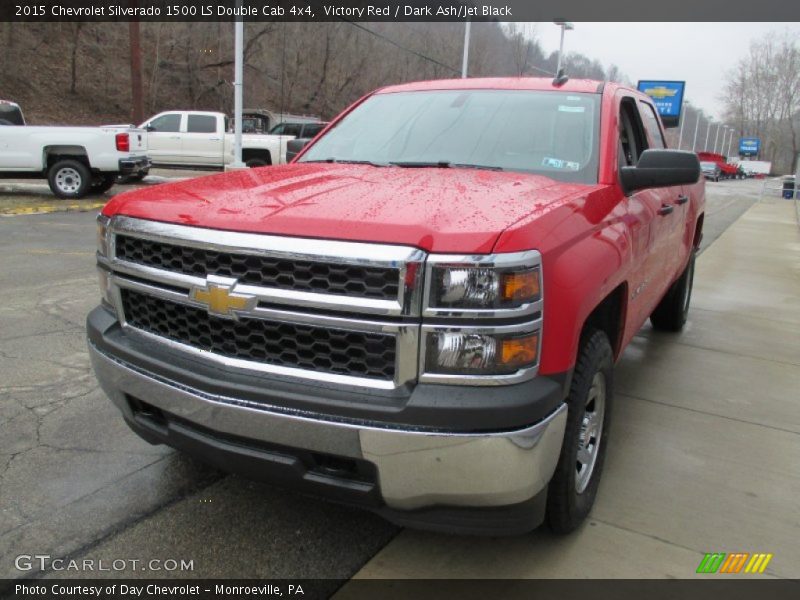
{"x":571,"y":109}
{"x":557,"y":163}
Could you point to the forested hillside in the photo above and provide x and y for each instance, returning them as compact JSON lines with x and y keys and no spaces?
{"x":79,"y":73}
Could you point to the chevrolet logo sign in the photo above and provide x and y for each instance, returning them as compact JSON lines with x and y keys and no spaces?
{"x":660,"y":92}
{"x":219,"y":297}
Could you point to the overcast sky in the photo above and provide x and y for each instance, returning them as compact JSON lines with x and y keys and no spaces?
{"x":698,"y":53}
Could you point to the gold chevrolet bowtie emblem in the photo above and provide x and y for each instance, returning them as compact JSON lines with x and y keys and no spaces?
{"x":219,"y":297}
{"x":660,"y":92}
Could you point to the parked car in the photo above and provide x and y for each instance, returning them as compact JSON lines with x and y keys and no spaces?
{"x":307,"y":133}
{"x":200,"y":139}
{"x":710,"y":170}
{"x":74,"y":160}
{"x":420,"y":315}
{"x":263,"y":120}
{"x":726,"y":170}
{"x":299,"y":130}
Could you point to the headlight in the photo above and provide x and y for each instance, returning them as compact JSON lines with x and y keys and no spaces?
{"x":468,"y":353}
{"x":102,"y":235}
{"x":482,"y":288}
{"x":466,"y":296}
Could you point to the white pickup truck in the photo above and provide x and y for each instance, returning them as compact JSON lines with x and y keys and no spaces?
{"x":74,"y":160}
{"x":188,"y":138}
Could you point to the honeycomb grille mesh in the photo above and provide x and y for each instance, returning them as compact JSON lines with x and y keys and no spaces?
{"x":358,"y":354}
{"x":306,"y":276}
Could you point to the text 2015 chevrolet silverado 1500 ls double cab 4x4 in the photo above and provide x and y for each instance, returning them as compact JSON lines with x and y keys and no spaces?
{"x":420,"y":314}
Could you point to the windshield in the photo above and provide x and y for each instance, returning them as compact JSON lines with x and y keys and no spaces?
{"x":549,"y":133}
{"x":707,"y":165}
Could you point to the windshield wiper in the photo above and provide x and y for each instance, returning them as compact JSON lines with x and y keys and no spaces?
{"x":421,"y":164}
{"x":442,"y":164}
{"x":340,"y":161}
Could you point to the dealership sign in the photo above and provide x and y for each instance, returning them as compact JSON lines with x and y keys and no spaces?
{"x":667,"y":97}
{"x":749,"y":146}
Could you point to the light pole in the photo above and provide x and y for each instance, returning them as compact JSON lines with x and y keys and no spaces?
{"x":730,"y":142}
{"x":716,"y":137}
{"x":708,"y":133}
{"x":238,"y":83}
{"x":699,"y":115}
{"x":565,"y":26}
{"x":465,"y":57}
{"x":728,"y":132}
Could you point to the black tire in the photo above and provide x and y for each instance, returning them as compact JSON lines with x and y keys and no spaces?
{"x":572,"y":489}
{"x":103,"y":183}
{"x":133,"y":177}
{"x":69,"y":179}
{"x":672,"y":311}
{"x":257,"y":162}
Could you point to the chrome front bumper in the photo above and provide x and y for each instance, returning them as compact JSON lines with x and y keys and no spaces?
{"x":415,"y":469}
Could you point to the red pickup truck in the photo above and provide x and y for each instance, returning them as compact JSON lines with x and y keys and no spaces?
{"x":421,"y":313}
{"x":727,"y":170}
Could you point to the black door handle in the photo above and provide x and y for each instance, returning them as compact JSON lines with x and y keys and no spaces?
{"x":665,"y":209}
{"x":682,"y":199}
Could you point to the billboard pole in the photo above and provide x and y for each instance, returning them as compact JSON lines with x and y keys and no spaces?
{"x":465,"y":56}
{"x":683,"y":120}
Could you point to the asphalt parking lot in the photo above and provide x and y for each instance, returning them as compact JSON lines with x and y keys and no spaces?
{"x":76,"y":483}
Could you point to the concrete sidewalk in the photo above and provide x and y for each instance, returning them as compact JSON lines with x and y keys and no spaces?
{"x":704,"y":453}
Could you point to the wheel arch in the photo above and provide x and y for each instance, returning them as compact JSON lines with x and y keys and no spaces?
{"x":609,"y":317}
{"x":262,"y":153}
{"x":698,"y":231}
{"x":53,"y":154}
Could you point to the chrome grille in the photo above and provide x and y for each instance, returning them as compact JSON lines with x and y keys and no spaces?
{"x":330,"y":311}
{"x":353,"y":353}
{"x":266,"y":271}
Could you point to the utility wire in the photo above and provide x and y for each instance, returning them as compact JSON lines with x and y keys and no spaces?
{"x":423,"y":56}
{"x":401,"y":47}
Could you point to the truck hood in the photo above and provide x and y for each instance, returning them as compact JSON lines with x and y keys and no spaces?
{"x":436,"y":209}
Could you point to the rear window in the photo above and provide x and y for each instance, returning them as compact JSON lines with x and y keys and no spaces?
{"x":10,"y":114}
{"x":202,"y":124}
{"x":309,"y":131}
{"x":287,"y":129}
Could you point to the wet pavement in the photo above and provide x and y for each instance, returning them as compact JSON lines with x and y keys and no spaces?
{"x":76,"y":483}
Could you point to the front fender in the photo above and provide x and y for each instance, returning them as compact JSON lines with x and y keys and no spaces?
{"x":586,"y":248}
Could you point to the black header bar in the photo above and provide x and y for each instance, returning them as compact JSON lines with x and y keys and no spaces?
{"x":399,"y":10}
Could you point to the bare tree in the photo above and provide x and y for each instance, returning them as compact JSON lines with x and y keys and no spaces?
{"x":762,"y":98}
{"x":76,"y":36}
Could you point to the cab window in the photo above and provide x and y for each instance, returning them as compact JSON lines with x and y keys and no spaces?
{"x":653,"y":128}
{"x":202,"y":124}
{"x":170,"y":123}
{"x":310,"y":131}
{"x":632,"y":141}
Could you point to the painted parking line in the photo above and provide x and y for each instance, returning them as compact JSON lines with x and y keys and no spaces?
{"x":37,"y":209}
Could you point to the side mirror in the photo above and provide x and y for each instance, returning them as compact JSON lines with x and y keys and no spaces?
{"x":661,"y":168}
{"x":149,"y":127}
